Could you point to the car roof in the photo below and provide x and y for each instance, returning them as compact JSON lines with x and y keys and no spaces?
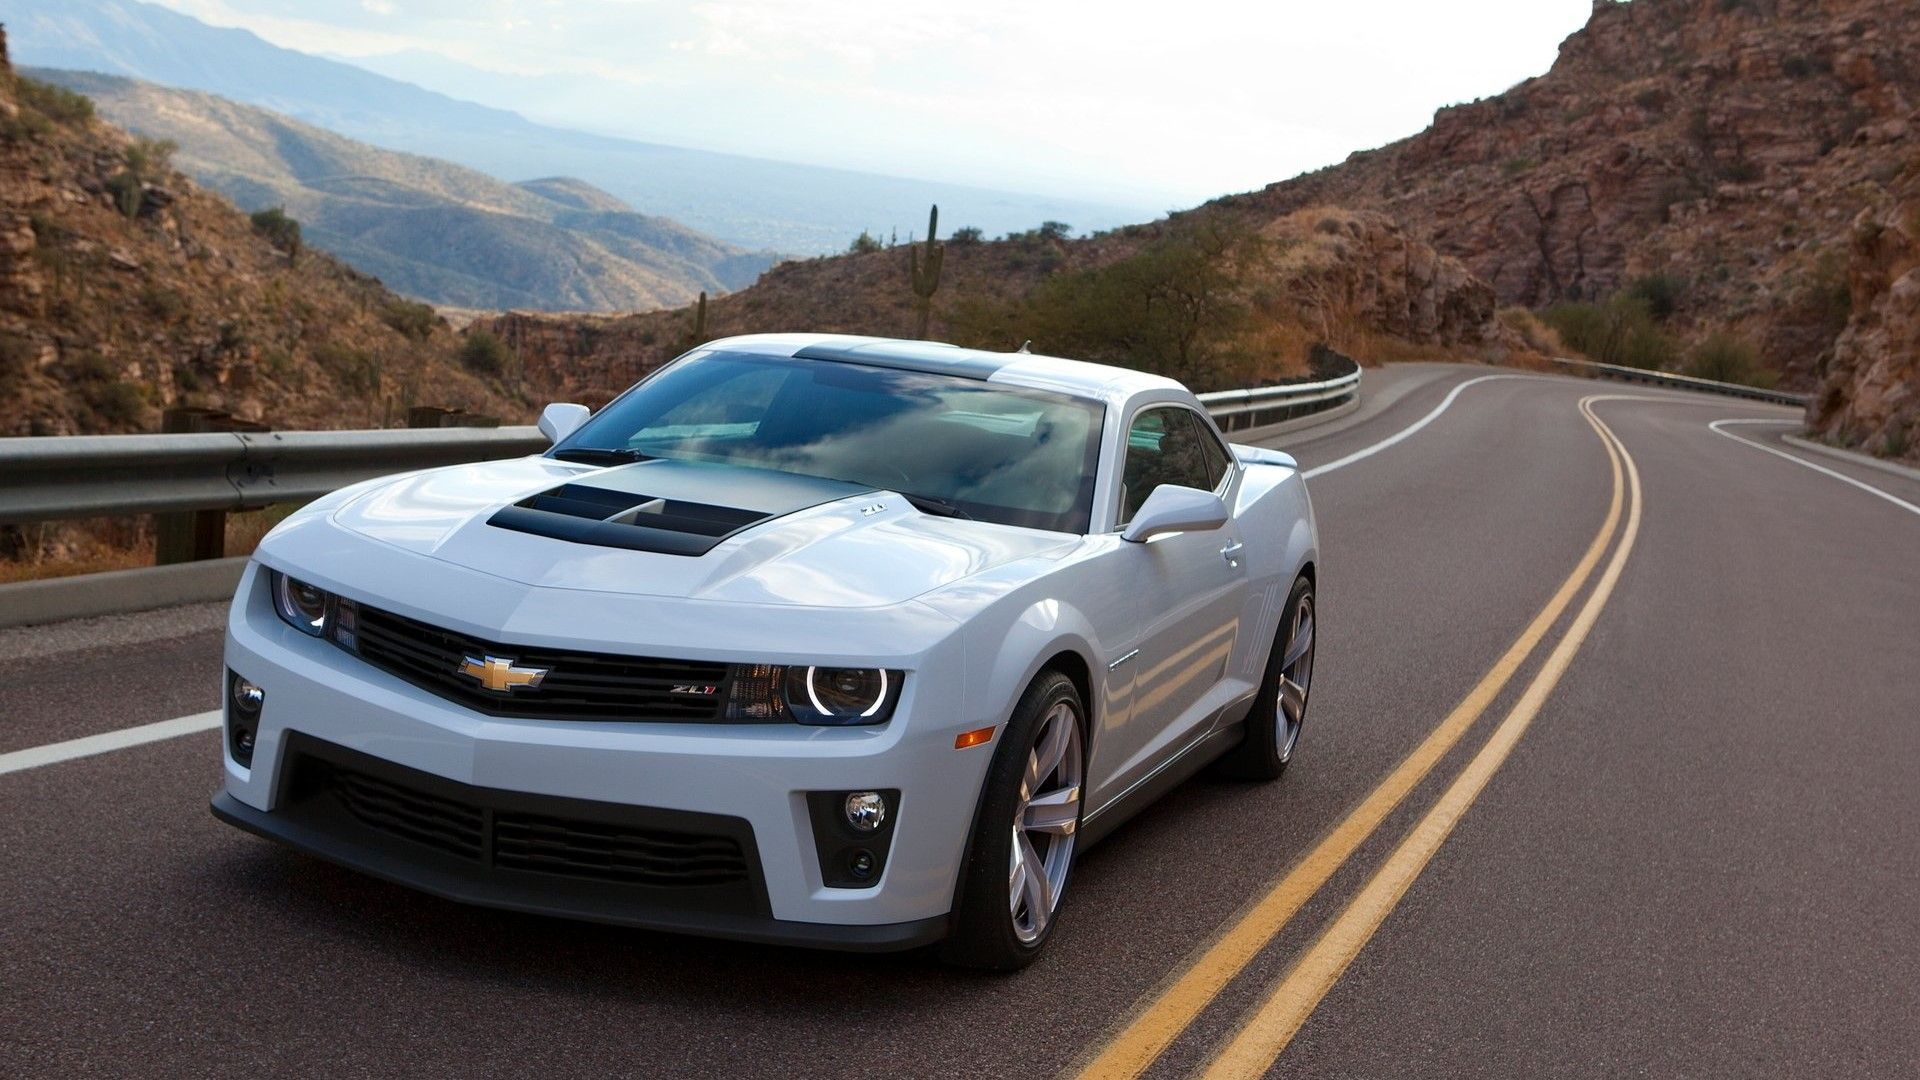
{"x":1079,"y":378}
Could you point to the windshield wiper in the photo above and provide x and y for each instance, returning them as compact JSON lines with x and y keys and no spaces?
{"x":597,"y":455}
{"x":930,"y":504}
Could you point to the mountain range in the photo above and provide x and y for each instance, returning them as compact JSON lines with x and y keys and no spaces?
{"x":749,"y":202}
{"x":428,"y":228}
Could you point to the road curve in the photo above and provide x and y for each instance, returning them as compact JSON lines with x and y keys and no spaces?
{"x":1698,"y":856}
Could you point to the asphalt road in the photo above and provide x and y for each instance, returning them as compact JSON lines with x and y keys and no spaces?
{"x":1700,"y":857}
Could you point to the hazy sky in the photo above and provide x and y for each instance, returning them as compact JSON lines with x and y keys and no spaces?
{"x":1156,"y":104}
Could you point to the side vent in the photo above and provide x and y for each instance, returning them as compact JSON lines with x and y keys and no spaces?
{"x":620,"y":519}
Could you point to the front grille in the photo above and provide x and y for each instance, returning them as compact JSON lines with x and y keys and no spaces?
{"x":519,"y":832}
{"x":577,"y":685}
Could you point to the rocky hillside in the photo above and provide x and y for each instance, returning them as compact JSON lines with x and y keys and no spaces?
{"x":1256,"y":297}
{"x":124,"y":289}
{"x":428,"y":228}
{"x":1727,"y":143}
{"x":1869,"y":393}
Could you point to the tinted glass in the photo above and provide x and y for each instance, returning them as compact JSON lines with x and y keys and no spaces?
{"x":994,"y":453}
{"x":1163,"y":447}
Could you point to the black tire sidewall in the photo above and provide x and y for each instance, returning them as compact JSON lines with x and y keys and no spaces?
{"x":1257,"y":755}
{"x":982,"y":935}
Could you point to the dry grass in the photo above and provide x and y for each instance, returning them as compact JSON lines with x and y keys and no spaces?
{"x":94,"y":545}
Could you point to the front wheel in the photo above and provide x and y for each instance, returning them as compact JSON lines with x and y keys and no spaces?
{"x":1025,"y":834}
{"x":1280,"y":709}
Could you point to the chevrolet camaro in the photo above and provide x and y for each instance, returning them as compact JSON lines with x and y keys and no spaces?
{"x":804,"y":639}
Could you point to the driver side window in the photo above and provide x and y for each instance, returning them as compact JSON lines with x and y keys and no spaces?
{"x":1164,"y":446}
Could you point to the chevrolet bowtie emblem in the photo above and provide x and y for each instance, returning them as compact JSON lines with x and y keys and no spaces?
{"x":499,"y":675}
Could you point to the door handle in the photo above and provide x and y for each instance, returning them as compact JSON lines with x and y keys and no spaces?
{"x":1232,"y":551}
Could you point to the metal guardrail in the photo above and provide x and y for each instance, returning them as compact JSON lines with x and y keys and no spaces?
{"x":1680,"y":382}
{"x":1241,"y":410}
{"x":43,"y":479}
{"x":49,"y":478}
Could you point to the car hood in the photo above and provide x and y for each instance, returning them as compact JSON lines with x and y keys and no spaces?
{"x":793,"y":540}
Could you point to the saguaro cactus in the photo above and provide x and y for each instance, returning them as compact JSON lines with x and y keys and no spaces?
{"x":924,"y":274}
{"x":700,"y":319}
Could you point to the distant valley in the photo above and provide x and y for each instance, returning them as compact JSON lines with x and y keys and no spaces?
{"x":753,"y":203}
{"x":428,"y":228}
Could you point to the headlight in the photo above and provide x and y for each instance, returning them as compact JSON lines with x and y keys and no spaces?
{"x":837,"y":695}
{"x":302,"y":606}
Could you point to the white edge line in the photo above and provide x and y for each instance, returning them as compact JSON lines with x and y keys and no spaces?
{"x":1868,"y":488}
{"x":55,"y":753}
{"x":1403,"y":433}
{"x":1851,"y":457}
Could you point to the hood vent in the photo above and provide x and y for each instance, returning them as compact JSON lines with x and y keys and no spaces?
{"x":669,"y":507}
{"x":608,"y":518}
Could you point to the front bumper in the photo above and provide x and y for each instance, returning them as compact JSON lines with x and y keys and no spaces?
{"x":756,"y":775}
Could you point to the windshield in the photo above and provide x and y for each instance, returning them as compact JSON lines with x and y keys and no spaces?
{"x":955,"y":446}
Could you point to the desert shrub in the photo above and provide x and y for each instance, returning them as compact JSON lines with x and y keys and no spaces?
{"x":1650,"y":99}
{"x":162,"y":303}
{"x":1723,"y":357}
{"x":120,"y":403}
{"x":280,"y":230}
{"x":1621,"y":331}
{"x":148,"y":158}
{"x":1741,"y":172}
{"x":966,"y":234}
{"x":1518,"y":166}
{"x":413,"y":319}
{"x":1177,"y":307}
{"x":17,"y":355}
{"x":1055,"y":230}
{"x":1827,"y":293}
{"x":1661,"y":292}
{"x":277,"y":364}
{"x":350,"y":369}
{"x":864,"y":244}
{"x":56,"y":103}
{"x":1537,"y":335}
{"x":127,"y":193}
{"x":484,"y":354}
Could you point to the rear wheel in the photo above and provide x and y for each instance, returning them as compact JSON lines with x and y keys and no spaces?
{"x":1280,"y":710}
{"x":1025,"y":834}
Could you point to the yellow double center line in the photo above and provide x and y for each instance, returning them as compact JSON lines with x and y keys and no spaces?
{"x":1136,"y":1046}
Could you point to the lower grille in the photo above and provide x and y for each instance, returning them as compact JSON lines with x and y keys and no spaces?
{"x":708,"y":858}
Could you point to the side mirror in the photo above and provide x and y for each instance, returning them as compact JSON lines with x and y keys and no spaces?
{"x":561,"y":419}
{"x":1171,"y":509}
{"x":1264,"y":455}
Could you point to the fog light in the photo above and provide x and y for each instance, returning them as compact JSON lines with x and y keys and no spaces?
{"x":861,"y":864}
{"x":247,"y":697}
{"x":243,"y":744}
{"x":866,"y":811}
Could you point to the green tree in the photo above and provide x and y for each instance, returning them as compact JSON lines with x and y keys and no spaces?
{"x":281,"y":231}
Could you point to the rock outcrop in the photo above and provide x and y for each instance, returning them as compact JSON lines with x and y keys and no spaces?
{"x":1869,"y":396}
{"x":1723,"y":142}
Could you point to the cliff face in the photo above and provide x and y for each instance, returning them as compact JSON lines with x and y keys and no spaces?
{"x":1870,"y":392}
{"x":125,"y":289}
{"x":1724,"y":142}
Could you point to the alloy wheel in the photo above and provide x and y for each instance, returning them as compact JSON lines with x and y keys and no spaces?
{"x":1046,"y":816}
{"x":1296,"y":675}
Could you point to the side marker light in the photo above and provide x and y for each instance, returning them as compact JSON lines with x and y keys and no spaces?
{"x":973,"y":738}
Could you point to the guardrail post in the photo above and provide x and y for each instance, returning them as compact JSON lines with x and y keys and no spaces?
{"x":193,"y":535}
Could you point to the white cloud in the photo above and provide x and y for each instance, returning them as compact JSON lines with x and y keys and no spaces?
{"x":1172,"y":102}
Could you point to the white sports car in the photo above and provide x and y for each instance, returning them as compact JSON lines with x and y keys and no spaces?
{"x":809,"y":639}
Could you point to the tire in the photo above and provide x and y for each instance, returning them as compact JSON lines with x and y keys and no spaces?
{"x":1009,"y":899}
{"x":1280,"y":709}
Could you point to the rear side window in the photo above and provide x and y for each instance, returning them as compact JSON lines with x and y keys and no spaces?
{"x":1166,"y":446}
